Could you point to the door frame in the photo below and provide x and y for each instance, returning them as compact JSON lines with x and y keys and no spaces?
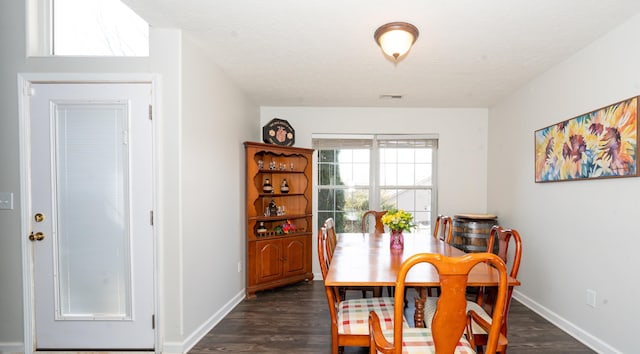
{"x":24,"y":82}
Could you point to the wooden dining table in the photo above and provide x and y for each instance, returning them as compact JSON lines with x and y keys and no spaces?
{"x":365,"y":259}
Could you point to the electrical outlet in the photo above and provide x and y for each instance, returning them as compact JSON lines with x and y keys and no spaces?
{"x":239,"y":267}
{"x":591,"y":298}
{"x":6,"y":200}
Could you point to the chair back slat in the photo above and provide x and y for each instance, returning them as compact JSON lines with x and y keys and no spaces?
{"x":450,"y":318}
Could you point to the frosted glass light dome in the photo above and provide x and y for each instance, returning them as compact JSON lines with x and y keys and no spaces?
{"x":396,"y":38}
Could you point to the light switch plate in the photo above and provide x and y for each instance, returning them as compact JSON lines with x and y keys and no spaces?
{"x":6,"y":201}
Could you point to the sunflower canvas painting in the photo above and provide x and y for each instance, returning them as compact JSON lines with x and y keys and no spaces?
{"x":599,"y":144}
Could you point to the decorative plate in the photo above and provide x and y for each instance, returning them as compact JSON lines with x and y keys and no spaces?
{"x":279,"y":132}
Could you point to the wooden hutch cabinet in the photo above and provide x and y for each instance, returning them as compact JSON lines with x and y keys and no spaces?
{"x":279,"y":225}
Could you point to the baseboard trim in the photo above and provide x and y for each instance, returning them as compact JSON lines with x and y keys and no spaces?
{"x":576,"y":332}
{"x":200,"y":332}
{"x":11,"y":347}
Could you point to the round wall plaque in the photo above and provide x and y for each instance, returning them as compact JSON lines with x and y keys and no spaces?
{"x":279,"y":132}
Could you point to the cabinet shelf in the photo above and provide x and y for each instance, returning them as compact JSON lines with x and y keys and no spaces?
{"x":280,"y":217}
{"x":263,"y":171}
{"x":271,"y":234}
{"x":266,"y":195}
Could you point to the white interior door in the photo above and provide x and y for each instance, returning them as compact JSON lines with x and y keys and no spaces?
{"x":91,"y":202}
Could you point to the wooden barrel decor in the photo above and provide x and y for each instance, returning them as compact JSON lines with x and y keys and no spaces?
{"x":471,"y":231}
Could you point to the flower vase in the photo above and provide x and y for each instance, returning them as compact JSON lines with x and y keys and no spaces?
{"x":397,"y":240}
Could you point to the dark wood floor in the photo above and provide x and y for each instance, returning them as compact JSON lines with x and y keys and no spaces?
{"x":295,"y":319}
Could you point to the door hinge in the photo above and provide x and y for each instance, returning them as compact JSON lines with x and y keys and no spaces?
{"x":151,"y":217}
{"x":150,"y":112}
{"x":153,"y":321}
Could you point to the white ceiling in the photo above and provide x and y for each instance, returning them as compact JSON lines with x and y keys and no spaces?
{"x":470,"y":53}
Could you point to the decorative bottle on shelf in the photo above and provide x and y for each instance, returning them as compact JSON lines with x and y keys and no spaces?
{"x":261,"y":228}
{"x":266,"y":186}
{"x":284,"y":187}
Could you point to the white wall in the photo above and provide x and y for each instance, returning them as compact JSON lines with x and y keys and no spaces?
{"x":577,"y":235}
{"x":217,"y":119}
{"x":11,"y":323}
{"x":201,"y":120}
{"x":462,"y":144}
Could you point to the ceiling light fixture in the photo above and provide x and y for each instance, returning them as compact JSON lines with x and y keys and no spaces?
{"x":396,"y":38}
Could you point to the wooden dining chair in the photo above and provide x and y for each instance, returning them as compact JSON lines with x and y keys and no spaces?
{"x":332,"y":241}
{"x":483,"y":305}
{"x":373,"y":218}
{"x":446,"y":332}
{"x":443,"y":228}
{"x":485,"y":297}
{"x":350,"y":318}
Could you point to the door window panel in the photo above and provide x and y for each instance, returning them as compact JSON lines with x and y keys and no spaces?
{"x":93,"y":202}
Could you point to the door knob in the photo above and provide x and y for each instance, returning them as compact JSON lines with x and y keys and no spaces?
{"x":38,"y":236}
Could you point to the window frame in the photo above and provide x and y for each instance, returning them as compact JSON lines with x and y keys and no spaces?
{"x":345,"y":141}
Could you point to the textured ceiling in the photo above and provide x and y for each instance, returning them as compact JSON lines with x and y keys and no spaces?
{"x":470,"y":53}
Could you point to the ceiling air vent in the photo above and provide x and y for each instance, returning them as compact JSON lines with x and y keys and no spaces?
{"x":390,"y":97}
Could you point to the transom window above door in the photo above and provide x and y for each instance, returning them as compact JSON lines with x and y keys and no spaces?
{"x":106,"y":28}
{"x":356,"y":173}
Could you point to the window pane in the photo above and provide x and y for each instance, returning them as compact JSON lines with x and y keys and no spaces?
{"x":361,"y":174}
{"x":405,"y":155}
{"x":326,"y":156}
{"x":423,"y":155}
{"x":339,"y":195}
{"x":357,"y":200}
{"x":325,"y":199}
{"x":423,"y":200}
{"x":346,"y":174}
{"x":405,"y":174}
{"x":98,"y":27}
{"x":422,"y":220}
{"x":344,"y":223}
{"x":388,"y":199}
{"x":388,"y":155}
{"x":423,"y":174}
{"x":326,"y":174}
{"x":406,"y":199}
{"x":388,"y":174}
{"x":361,"y":155}
{"x":345,"y":155}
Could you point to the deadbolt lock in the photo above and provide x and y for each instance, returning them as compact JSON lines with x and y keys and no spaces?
{"x":39,"y":217}
{"x":38,"y":236}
